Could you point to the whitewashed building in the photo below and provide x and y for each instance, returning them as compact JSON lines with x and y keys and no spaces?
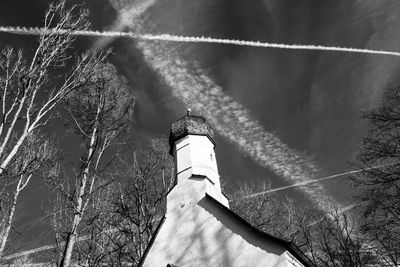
{"x":199,"y":229}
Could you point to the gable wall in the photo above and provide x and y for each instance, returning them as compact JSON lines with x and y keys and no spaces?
{"x":202,"y":234}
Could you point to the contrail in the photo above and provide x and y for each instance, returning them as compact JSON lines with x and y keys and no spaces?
{"x":298,"y":184}
{"x":49,"y":247}
{"x":231,"y":119}
{"x":318,"y":180}
{"x":195,"y":39}
{"x":234,"y":122}
{"x":338,"y":212}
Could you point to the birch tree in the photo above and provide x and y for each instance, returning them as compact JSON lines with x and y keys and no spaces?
{"x":31,"y":86}
{"x":93,"y":246}
{"x":121,"y":218}
{"x":99,"y":114}
{"x":34,"y":156}
{"x":28,"y":91}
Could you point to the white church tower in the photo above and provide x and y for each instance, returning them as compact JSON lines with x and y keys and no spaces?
{"x":192,"y":145}
{"x":199,"y":229}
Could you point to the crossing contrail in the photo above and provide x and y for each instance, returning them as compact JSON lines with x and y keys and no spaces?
{"x":230,"y":119}
{"x":194,"y":39}
{"x":317,"y":180}
{"x":233,"y":121}
{"x":336,"y":212}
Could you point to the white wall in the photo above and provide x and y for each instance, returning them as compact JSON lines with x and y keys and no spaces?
{"x":197,"y":232}
{"x":202,"y":234}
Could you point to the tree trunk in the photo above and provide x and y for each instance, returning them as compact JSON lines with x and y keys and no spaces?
{"x":3,"y":145}
{"x":6,"y":231}
{"x":80,"y":207}
{"x":70,"y":242}
{"x":13,"y":152}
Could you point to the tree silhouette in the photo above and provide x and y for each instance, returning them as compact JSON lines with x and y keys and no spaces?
{"x":30,"y":90}
{"x":379,"y":183}
{"x":99,"y":114}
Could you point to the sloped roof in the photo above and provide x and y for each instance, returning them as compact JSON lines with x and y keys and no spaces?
{"x":289,"y":246}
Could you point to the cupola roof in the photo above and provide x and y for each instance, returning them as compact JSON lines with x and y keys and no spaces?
{"x":190,"y":125}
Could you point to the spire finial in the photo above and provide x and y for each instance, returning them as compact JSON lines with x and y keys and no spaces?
{"x":187,"y":102}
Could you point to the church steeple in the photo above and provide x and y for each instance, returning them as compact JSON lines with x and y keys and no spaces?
{"x":198,"y":228}
{"x":192,"y":144}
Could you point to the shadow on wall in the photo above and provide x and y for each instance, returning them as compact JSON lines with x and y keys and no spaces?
{"x":240,"y":227}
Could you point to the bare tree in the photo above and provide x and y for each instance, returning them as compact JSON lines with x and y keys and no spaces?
{"x":379,"y":183}
{"x":30,"y":89}
{"x":328,"y":238}
{"x":93,"y":246}
{"x":266,"y":212}
{"x":96,"y":246}
{"x":33,"y":157}
{"x":98,"y":113}
{"x":28,"y":93}
{"x":121,"y":218}
{"x":140,"y":200}
{"x":332,"y":238}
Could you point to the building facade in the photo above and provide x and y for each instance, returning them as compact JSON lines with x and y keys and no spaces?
{"x":199,"y":229}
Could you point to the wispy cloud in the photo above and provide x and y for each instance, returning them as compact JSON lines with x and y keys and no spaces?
{"x":231,"y":119}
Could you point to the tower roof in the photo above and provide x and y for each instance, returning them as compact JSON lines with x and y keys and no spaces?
{"x":190,"y":125}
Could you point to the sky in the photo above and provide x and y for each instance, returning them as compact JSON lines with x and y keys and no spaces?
{"x":280,"y":115}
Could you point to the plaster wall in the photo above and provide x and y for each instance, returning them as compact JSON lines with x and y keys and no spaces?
{"x":197,"y":231}
{"x":201,"y":234}
{"x":197,"y":171}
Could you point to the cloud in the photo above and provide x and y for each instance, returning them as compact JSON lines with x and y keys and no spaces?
{"x":229,"y":118}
